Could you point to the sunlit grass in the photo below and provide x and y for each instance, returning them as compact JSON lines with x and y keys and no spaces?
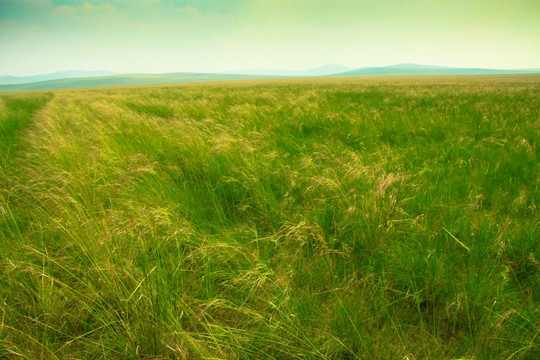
{"x":384,"y":218}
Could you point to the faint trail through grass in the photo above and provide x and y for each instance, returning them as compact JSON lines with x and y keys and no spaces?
{"x":16,"y":112}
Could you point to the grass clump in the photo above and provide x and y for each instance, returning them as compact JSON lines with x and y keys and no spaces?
{"x":312,"y":219}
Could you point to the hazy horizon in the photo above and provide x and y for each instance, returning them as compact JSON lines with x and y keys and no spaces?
{"x":162,"y":36}
{"x":255,"y":71}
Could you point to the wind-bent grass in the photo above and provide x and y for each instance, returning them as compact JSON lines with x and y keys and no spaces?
{"x":314,"y":219}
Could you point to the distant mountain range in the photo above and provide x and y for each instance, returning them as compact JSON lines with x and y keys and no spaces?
{"x":325,"y":70}
{"x":83,"y":79}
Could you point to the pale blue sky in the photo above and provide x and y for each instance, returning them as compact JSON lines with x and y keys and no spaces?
{"x":40,"y":36}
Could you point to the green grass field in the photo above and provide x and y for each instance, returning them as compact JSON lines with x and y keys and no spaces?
{"x":350,"y":218}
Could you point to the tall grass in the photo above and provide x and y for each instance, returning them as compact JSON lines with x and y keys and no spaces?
{"x":313,"y":219}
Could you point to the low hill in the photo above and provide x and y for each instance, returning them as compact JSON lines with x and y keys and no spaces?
{"x":124,"y":80}
{"x":12,"y":80}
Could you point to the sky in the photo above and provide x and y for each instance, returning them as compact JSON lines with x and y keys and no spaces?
{"x":159,"y":36}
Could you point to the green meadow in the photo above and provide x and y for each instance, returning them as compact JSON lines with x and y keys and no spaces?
{"x":336,"y":218}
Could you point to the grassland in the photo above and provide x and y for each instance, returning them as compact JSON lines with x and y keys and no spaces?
{"x":384,"y":218}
